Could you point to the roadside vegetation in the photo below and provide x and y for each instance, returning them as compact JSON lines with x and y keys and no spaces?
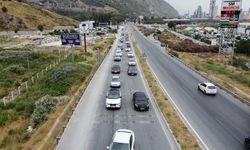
{"x":26,"y":121}
{"x":231,"y":73}
{"x":185,"y":139}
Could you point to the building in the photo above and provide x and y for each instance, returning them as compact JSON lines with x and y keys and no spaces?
{"x":243,"y":29}
{"x":198,"y":12}
{"x":212,"y":9}
{"x":63,"y":28}
{"x":86,"y":27}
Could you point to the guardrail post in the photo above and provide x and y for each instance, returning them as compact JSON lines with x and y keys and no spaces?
{"x":4,"y":101}
{"x":32,"y":79}
{"x":19,"y":90}
{"x":26,"y":85}
{"x":12,"y":95}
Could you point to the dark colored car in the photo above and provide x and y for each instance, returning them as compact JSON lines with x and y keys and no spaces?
{"x":140,"y":101}
{"x":116,"y":69}
{"x":132,"y":71}
{"x":163,"y":45}
{"x":247,"y":143}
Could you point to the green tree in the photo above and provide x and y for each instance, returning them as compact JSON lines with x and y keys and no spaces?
{"x":4,"y":9}
{"x":243,"y":47}
{"x":172,"y":25}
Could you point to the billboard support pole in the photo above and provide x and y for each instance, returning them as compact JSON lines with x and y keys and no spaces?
{"x":85,"y":43}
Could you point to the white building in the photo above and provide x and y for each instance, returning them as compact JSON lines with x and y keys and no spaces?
{"x":86,"y":27}
{"x":244,"y":28}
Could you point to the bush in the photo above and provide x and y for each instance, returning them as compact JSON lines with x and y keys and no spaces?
{"x":243,"y":47}
{"x":43,"y":107}
{"x":4,"y":9}
{"x":20,"y":70}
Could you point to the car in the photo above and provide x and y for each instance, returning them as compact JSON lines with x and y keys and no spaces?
{"x":117,"y":58}
{"x":115,"y":82}
{"x":132,"y":71}
{"x":130,"y":55}
{"x":116,"y":69}
{"x":113,"y":98}
{"x":132,"y":62}
{"x":163,"y":45}
{"x":119,"y":45}
{"x":247,"y":143}
{"x":140,"y":101}
{"x":118,"y":51}
{"x":207,"y":88}
{"x":128,"y":45}
{"x":119,"y":54}
{"x":123,"y":139}
{"x":127,"y":49}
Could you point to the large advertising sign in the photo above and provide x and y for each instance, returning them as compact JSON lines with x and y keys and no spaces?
{"x":230,"y":13}
{"x":71,"y":39}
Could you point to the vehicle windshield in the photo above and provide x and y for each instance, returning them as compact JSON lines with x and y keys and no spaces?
{"x":113,"y":94}
{"x":119,"y":146}
{"x":115,"y":80}
{"x":211,"y":87}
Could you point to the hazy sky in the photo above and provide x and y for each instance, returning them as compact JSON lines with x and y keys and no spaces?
{"x":183,"y":6}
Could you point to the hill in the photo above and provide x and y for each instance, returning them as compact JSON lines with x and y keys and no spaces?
{"x":23,"y":16}
{"x":158,"y":8}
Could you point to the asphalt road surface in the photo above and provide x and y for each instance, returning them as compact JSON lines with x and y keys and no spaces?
{"x":92,"y":126}
{"x":220,"y":122}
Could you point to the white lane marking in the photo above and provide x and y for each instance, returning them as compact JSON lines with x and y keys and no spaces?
{"x":175,"y":105}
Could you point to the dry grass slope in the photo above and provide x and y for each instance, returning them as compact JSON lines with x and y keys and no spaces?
{"x":33,"y":16}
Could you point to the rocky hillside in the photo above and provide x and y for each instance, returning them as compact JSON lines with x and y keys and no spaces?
{"x":158,"y":8}
{"x":16,"y":15}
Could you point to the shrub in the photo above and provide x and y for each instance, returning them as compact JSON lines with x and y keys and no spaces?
{"x":243,"y":47}
{"x":20,"y":70}
{"x":174,"y":53}
{"x":43,"y":107}
{"x":4,"y":9}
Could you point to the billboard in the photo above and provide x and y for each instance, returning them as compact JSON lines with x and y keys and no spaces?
{"x":71,"y":39}
{"x":230,"y":13}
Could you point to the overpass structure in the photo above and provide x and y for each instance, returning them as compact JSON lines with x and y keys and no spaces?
{"x":192,"y":20}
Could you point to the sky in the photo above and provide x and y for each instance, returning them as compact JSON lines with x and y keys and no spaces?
{"x":183,"y":6}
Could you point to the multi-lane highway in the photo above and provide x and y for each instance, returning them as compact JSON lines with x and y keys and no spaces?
{"x":220,"y":122}
{"x":92,"y":126}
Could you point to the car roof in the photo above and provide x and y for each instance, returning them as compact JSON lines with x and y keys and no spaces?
{"x":209,"y":84}
{"x":122,"y":136}
{"x":139,"y":94}
{"x":117,"y":77}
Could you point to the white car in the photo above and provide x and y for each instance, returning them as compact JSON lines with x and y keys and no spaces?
{"x":123,"y":139}
{"x":132,"y":62}
{"x":130,"y":55}
{"x":119,"y":54}
{"x":127,"y":49}
{"x":115,"y":82}
{"x":207,"y":88}
{"x":118,"y":51}
{"x":113,"y":99}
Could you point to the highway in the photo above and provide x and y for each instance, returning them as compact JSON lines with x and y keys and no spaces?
{"x":92,"y":126}
{"x":220,"y":122}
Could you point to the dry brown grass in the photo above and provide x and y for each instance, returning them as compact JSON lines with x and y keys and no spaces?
{"x":32,"y":16}
{"x":240,"y":88}
{"x":186,"y":140}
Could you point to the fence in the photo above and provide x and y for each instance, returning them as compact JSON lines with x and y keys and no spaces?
{"x":25,"y":85}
